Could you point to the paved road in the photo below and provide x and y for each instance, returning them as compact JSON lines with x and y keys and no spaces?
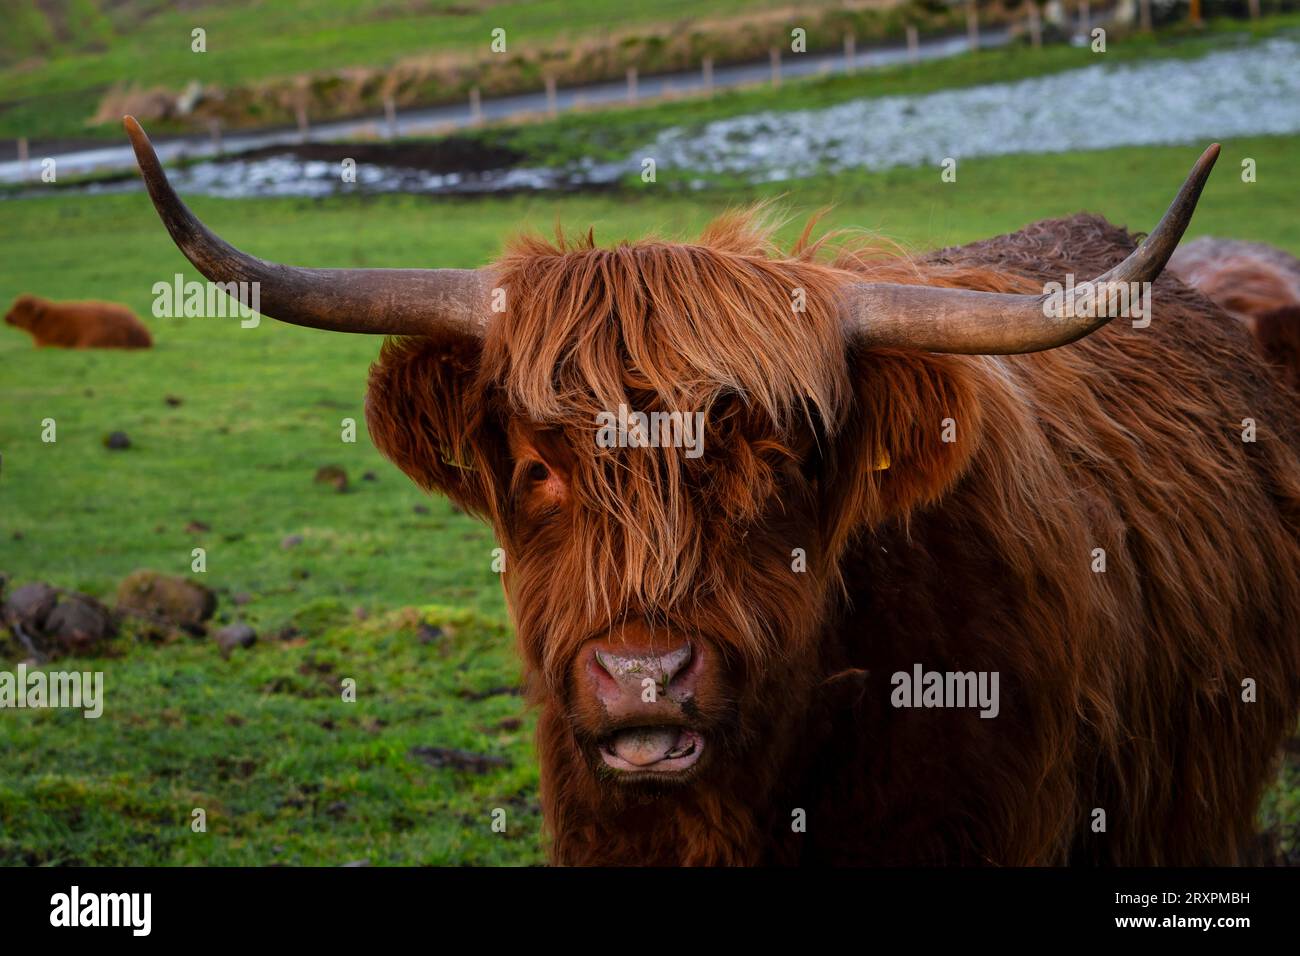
{"x":443,"y":118}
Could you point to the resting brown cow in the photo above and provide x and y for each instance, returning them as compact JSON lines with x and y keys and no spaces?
{"x":1103,"y":575}
{"x":78,"y":325}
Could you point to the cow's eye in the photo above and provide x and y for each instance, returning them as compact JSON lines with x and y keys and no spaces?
{"x":538,"y":472}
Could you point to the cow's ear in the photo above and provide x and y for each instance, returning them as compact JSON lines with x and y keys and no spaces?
{"x":915,"y":424}
{"x":427,"y":413}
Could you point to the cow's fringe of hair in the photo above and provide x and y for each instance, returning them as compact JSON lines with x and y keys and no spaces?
{"x":729,"y":327}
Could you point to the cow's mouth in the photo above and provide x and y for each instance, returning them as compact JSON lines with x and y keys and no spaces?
{"x":652,"y":750}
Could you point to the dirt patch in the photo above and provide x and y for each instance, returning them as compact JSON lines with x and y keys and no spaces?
{"x":490,"y":692}
{"x":452,"y":759}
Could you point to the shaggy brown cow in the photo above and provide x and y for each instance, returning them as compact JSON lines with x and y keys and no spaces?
{"x":719,"y":643}
{"x":1258,"y":284}
{"x":78,"y":325}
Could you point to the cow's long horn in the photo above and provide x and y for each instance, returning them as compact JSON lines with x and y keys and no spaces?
{"x":931,"y":319}
{"x":375,"y":301}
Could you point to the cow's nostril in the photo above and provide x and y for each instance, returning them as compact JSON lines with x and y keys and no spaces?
{"x":675,"y":662}
{"x":630,"y":670}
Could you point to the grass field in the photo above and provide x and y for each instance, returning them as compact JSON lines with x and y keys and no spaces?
{"x":286,"y":771}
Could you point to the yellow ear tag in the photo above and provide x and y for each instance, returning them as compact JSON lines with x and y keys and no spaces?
{"x":882,"y":460}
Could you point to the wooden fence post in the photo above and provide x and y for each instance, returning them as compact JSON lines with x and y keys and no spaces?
{"x":390,"y":116}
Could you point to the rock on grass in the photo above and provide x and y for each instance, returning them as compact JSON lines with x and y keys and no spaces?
{"x":47,"y":623}
{"x":80,"y":624}
{"x":332,"y":475}
{"x":29,"y":606}
{"x":234,"y":636}
{"x":165,"y":601}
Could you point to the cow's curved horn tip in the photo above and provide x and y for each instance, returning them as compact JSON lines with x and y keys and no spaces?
{"x":134,"y":129}
{"x":1208,"y":158}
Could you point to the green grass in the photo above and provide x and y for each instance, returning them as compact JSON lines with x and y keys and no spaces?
{"x":286,"y":770}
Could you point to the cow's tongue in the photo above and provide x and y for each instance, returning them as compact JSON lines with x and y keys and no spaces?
{"x":642,"y":746}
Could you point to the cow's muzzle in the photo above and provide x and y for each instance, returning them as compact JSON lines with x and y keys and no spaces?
{"x":644,"y":694}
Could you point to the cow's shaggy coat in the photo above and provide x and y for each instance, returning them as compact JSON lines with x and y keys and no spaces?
{"x":1124,"y":692}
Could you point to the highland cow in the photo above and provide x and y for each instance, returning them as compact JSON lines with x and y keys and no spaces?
{"x":908,"y":470}
{"x":78,"y":325}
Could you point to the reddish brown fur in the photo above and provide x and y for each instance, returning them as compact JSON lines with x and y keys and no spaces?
{"x":1120,"y":690}
{"x":1246,"y":279}
{"x":1278,"y":335}
{"x":78,"y":325}
{"x":1258,"y":284}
